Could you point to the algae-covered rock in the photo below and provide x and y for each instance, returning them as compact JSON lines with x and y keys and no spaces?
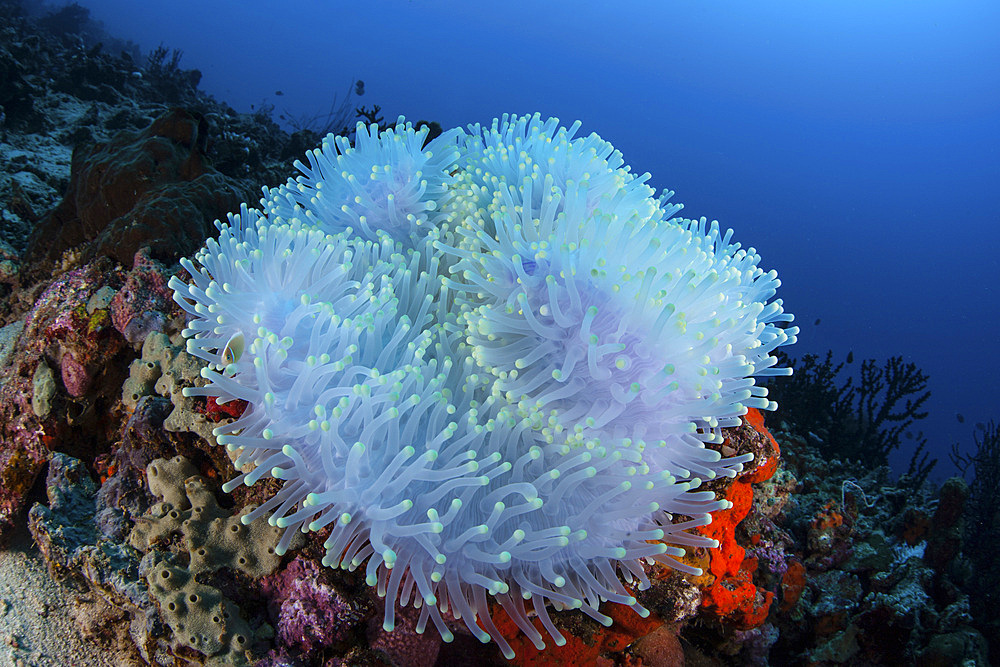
{"x":43,"y":385}
{"x":870,"y":554}
{"x":67,"y":534}
{"x":8,"y":337}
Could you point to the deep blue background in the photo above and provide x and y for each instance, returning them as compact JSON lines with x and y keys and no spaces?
{"x":853,"y":143}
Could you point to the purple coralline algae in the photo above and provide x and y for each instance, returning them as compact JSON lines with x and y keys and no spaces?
{"x":404,"y":645}
{"x":143,"y":304}
{"x":308,"y":610}
{"x":75,"y":376}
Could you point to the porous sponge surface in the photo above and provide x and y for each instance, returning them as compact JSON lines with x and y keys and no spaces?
{"x":188,"y":526}
{"x":163,"y":369}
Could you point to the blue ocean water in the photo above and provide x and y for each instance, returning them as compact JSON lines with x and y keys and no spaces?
{"x":855,"y":144}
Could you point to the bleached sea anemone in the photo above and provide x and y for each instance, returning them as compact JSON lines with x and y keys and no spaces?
{"x":387,"y":181}
{"x":502,"y":396}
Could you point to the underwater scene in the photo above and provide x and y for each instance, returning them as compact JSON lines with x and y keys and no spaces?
{"x":415,"y":333}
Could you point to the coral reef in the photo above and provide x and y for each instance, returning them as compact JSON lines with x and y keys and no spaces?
{"x":825,"y":558}
{"x":64,"y":367}
{"x":63,"y":371}
{"x":876,"y":576}
{"x":864,"y":570}
{"x":76,"y":86}
{"x":151,"y":189}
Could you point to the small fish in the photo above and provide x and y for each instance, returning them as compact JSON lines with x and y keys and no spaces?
{"x":233,"y":350}
{"x":850,"y":357}
{"x":960,"y":417}
{"x":359,"y":88}
{"x":909,"y":435}
{"x":980,"y":426}
{"x":278,"y":93}
{"x":816,"y":323}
